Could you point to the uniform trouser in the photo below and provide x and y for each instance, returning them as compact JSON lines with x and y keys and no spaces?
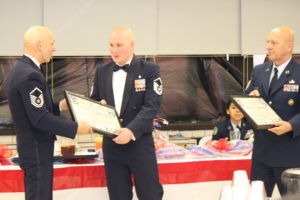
{"x":37,"y":164}
{"x":135,"y":161}
{"x":269,"y":175}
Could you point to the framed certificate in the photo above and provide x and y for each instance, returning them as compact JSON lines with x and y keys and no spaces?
{"x":256,"y":110}
{"x":102,"y":118}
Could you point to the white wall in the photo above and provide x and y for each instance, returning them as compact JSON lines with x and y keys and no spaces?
{"x":16,"y":16}
{"x":260,"y":16}
{"x":162,"y":27}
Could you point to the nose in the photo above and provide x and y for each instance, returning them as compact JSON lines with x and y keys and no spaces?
{"x":113,"y":49}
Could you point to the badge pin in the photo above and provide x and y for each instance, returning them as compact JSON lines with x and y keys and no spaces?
{"x":268,"y":69}
{"x":292,"y":81}
{"x":291,"y":102}
{"x":140,"y":76}
{"x":290,"y":88}
{"x":140,"y":85}
{"x":287,"y":72}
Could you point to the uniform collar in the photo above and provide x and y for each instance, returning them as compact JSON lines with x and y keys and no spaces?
{"x":234,"y":126}
{"x":281,"y":67}
{"x":33,"y":60}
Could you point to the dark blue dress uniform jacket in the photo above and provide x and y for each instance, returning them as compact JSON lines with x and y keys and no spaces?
{"x":33,"y":113}
{"x":269,"y":148}
{"x":139,"y":108}
{"x":223,"y":128}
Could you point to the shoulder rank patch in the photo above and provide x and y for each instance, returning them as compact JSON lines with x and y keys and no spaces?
{"x":36,"y":98}
{"x":157,"y":86}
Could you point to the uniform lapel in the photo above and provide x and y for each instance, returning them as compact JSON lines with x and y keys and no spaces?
{"x":229,"y":125}
{"x":283,"y":78}
{"x":32,"y":64}
{"x":129,"y":83}
{"x":109,"y":88}
{"x":266,"y":81}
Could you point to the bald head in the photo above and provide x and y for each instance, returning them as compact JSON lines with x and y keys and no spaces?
{"x":39,"y":43}
{"x":121,"y":44}
{"x":285,"y":33}
{"x":280,"y":44}
{"x":123,"y":31}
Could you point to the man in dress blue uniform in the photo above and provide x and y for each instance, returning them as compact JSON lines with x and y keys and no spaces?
{"x":133,"y":86}
{"x":277,"y":148}
{"x":33,"y":113}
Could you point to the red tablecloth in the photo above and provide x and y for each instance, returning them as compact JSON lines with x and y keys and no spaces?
{"x":92,"y":175}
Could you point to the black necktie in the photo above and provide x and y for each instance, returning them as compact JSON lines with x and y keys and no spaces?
{"x":124,"y":67}
{"x":274,"y":79}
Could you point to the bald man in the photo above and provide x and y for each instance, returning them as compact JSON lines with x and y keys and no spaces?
{"x":133,"y":86}
{"x":33,"y":113}
{"x":277,"y":148}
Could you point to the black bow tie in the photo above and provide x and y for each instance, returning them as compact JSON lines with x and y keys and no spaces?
{"x":124,"y":67}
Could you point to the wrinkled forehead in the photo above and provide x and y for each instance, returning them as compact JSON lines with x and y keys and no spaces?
{"x":280,"y":35}
{"x":119,"y":39}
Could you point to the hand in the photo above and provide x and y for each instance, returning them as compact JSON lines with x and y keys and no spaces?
{"x":63,"y":105}
{"x":254,"y":93}
{"x":103,"y":102}
{"x":281,"y":127}
{"x":124,"y":136}
{"x":84,"y":128}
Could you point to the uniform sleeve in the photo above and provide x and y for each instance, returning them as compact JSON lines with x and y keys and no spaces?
{"x":251,"y":84}
{"x":56,"y":109}
{"x":32,"y":92}
{"x":295,"y":122}
{"x":143,"y":121}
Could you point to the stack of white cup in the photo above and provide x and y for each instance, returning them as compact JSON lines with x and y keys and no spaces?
{"x":241,"y":190}
{"x":257,"y":191}
{"x":240,"y":185}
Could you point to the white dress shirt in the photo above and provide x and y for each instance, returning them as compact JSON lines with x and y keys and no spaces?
{"x":280,"y":68}
{"x":234,"y":126}
{"x":118,"y":83}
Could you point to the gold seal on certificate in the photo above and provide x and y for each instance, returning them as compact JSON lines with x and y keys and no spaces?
{"x":102,"y":118}
{"x":256,"y":110}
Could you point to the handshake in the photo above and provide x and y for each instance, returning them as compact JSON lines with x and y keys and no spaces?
{"x":84,"y":128}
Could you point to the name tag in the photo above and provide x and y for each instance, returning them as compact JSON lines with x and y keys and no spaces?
{"x":140,"y":85}
{"x":290,"y":88}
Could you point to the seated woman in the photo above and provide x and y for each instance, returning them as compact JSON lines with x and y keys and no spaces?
{"x":234,"y":121}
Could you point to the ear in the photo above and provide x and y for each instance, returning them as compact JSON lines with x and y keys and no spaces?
{"x":227,"y":111}
{"x":38,"y":45}
{"x":291,"y":45}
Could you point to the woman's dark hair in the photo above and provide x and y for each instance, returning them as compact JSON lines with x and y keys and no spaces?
{"x":227,"y":108}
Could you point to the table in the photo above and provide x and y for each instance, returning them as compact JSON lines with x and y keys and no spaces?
{"x":181,"y":179}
